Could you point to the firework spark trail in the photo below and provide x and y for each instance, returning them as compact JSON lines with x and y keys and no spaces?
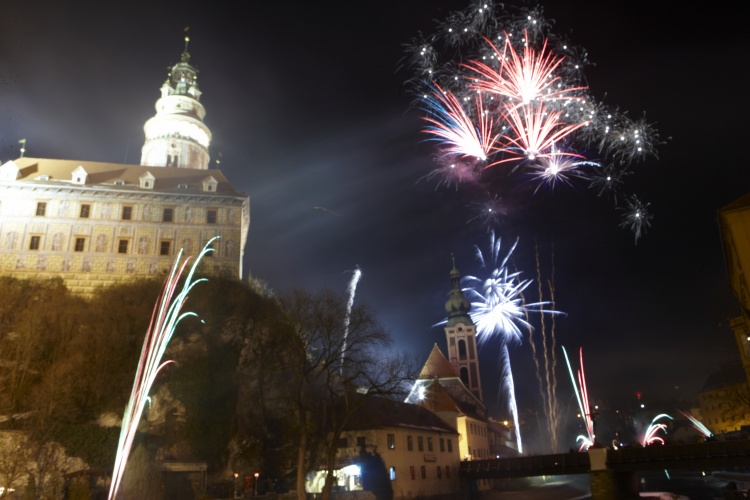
{"x":498,"y":308}
{"x":636,"y":217}
{"x":697,"y":424}
{"x":582,"y":396}
{"x":164,"y":319}
{"x":650,"y":436}
{"x":351,"y":290}
{"x":452,"y":126}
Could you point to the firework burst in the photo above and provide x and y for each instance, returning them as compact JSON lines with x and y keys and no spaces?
{"x":636,"y":216}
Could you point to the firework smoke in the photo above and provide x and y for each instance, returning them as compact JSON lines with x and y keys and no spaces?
{"x":165,"y":318}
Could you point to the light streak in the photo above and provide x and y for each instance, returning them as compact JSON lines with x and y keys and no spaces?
{"x":697,"y":424}
{"x":164,"y":319}
{"x":558,"y":168}
{"x":582,"y":396}
{"x":351,"y":290}
{"x":654,"y":427}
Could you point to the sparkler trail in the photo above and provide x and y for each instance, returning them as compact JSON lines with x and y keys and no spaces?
{"x":498,"y":309}
{"x":498,"y":86}
{"x":351,"y":290}
{"x":165,"y":318}
{"x":636,"y":217}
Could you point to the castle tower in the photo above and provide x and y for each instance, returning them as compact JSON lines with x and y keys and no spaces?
{"x":176,"y":136}
{"x":460,"y":333}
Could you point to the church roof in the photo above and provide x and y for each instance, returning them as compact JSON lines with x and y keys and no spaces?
{"x":123,"y":176}
{"x":437,"y":366}
{"x":378,"y":412}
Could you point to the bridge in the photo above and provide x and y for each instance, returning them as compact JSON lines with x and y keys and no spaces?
{"x":613,"y":472}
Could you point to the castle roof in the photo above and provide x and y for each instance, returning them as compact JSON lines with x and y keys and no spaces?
{"x":437,"y":366}
{"x":378,"y":413}
{"x":121,"y":176}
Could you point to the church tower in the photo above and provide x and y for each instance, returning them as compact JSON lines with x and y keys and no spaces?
{"x":460,"y":333}
{"x":176,"y":136}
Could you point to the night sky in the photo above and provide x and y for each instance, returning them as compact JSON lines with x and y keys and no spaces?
{"x":307,"y":106}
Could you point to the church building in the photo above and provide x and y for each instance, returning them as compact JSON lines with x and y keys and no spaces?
{"x":95,"y":224}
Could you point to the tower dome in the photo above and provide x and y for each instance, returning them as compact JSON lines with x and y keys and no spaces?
{"x":457,"y":306}
{"x":176,"y":136}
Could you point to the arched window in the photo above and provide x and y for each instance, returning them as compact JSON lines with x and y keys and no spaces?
{"x":461,"y":349}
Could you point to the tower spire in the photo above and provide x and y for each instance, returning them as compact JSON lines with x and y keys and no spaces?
{"x":176,"y":136}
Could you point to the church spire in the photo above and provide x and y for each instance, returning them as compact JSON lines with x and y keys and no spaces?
{"x":176,"y":136}
{"x":457,"y":305}
{"x":460,"y":333}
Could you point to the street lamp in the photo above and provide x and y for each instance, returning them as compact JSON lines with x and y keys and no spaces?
{"x":236,"y":485}
{"x":255,"y":483}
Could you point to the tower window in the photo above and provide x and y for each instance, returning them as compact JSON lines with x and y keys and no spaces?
{"x":168,"y":215}
{"x":85,"y":211}
{"x":35,"y":242}
{"x":122,"y":246}
{"x":211,"y":216}
{"x":461,"y":349}
{"x":127,"y":213}
{"x":79,"y":244}
{"x":41,"y":208}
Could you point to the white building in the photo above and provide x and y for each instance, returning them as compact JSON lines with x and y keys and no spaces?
{"x":95,"y":224}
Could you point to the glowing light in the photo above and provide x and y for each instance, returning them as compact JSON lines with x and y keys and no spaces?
{"x":582,"y":396}
{"x":165,"y":318}
{"x":654,"y":427}
{"x":697,"y":424}
{"x":351,"y":290}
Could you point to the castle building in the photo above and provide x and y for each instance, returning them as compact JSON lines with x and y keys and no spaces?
{"x":95,"y":224}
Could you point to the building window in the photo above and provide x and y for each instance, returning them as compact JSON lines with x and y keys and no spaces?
{"x":450,"y":445}
{"x":391,"y":441}
{"x":429,"y":443}
{"x":442,"y":444}
{"x":420,"y":443}
{"x":85,"y":211}
{"x":127,"y":213}
{"x":361,"y":442}
{"x":439,"y":472}
{"x":122,"y":246}
{"x":167,"y":215}
{"x":343,"y":442}
{"x":424,"y":472}
{"x":35,"y":242}
{"x":79,"y":244}
{"x":210,"y":216}
{"x":41,"y":208}
{"x":393,"y":473}
{"x":165,"y":247}
{"x":409,"y":443}
{"x":448,"y":471}
{"x":412,"y":473}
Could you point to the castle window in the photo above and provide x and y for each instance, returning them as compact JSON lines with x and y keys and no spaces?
{"x":127,"y":213}
{"x":119,"y":182}
{"x":41,"y":208}
{"x":450,"y":445}
{"x":442,"y":444}
{"x":182,"y":186}
{"x":164,"y":247}
{"x":167,"y":215}
{"x":411,"y":473}
{"x":424,"y":472}
{"x":409,"y":443}
{"x":122,"y":246}
{"x":391,"y":441}
{"x":393,"y":473}
{"x":85,"y":211}
{"x":448,"y":471}
{"x":420,"y":443}
{"x":439,"y":472}
{"x":35,"y":242}
{"x":210,"y":216}
{"x":79,"y":244}
{"x":429,"y":443}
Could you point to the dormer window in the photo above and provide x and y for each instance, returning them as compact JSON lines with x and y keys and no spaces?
{"x":182,"y":186}
{"x":43,"y":178}
{"x":119,"y":182}
{"x":147,"y":181}
{"x":209,"y":184}
{"x":80,"y":175}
